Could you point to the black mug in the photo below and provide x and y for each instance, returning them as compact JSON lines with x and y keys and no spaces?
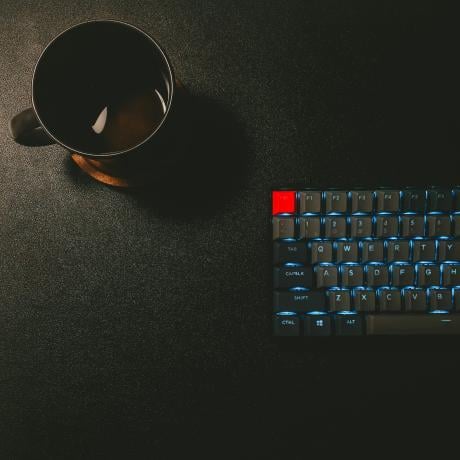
{"x":105,"y":91}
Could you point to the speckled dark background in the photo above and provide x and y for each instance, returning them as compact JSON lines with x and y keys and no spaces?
{"x":133,"y":326}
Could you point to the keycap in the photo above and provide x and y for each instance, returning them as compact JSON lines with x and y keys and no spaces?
{"x":372,"y":251}
{"x":402,"y":275}
{"x":415,"y":300}
{"x":456,"y":225}
{"x":309,"y":227}
{"x":364,"y":299}
{"x":310,"y":201}
{"x":408,"y":324}
{"x":360,"y":227}
{"x":439,"y":200}
{"x":450,"y":274}
{"x":335,"y":227}
{"x":376,"y":275}
{"x":361,"y":201}
{"x":283,"y":227}
{"x":449,"y":250}
{"x":348,"y":325}
{"x":383,"y":259}
{"x":424,"y":250}
{"x":299,"y":301}
{"x":352,"y":275}
{"x":397,"y":250}
{"x":412,"y":226}
{"x":286,"y":251}
{"x":428,"y":275}
{"x":283,"y":201}
{"x":286,"y":325}
{"x":386,"y":226}
{"x":326,"y":276}
{"x":456,"y":293}
{"x":413,"y":201}
{"x":317,"y":325}
{"x":321,"y":251}
{"x":339,"y":299}
{"x":336,"y":201}
{"x":289,"y":277}
{"x":440,"y":299}
{"x":346,"y":251}
{"x":387,"y":200}
{"x":389,"y":299}
{"x":438,"y":225}
{"x":456,"y":193}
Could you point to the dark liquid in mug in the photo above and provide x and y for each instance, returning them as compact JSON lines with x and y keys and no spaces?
{"x":126,"y":121}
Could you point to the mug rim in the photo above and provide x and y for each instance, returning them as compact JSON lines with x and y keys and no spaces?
{"x":168,"y":105}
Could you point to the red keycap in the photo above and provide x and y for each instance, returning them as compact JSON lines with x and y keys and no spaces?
{"x":283,"y":201}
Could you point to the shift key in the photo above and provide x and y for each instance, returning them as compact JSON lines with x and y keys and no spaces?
{"x":299,"y":301}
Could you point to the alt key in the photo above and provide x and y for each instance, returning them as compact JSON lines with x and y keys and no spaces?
{"x":349,"y":325}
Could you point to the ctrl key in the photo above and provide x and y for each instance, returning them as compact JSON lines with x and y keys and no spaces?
{"x":286,"y":324}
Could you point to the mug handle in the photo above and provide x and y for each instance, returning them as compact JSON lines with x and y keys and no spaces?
{"x":25,"y":129}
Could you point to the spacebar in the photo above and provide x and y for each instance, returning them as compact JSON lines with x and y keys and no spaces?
{"x":404,"y":324}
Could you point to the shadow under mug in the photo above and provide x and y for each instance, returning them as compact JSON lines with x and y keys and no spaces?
{"x":105,"y":91}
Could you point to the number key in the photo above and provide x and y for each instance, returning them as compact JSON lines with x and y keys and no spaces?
{"x":438,"y":225}
{"x":386,"y":226}
{"x":360,"y":227}
{"x":310,"y":227}
{"x":335,"y":227}
{"x":412,"y":226}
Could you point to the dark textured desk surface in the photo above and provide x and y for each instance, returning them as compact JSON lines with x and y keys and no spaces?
{"x":132,"y":326}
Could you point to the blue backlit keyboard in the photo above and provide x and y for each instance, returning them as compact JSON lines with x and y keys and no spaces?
{"x":366,"y":262}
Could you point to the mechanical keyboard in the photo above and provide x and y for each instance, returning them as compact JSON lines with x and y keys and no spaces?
{"x":366,"y":262}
